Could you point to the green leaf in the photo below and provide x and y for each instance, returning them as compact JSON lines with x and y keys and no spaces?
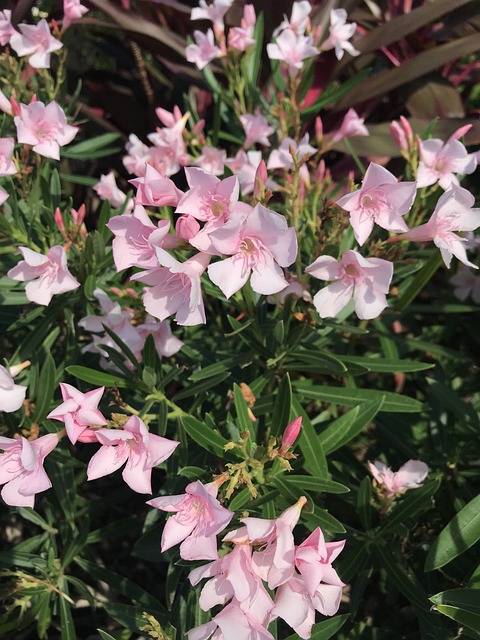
{"x":312,"y":484}
{"x":321,"y":518}
{"x":207,"y":438}
{"x":394,"y":402}
{"x":124,"y":348}
{"x":243,"y":420}
{"x":99,"y":378}
{"x":364,"y":503}
{"x":462,"y":605}
{"x":413,"y":505}
{"x":419,"y":281}
{"x":32,"y":516}
{"x":387,"y":365}
{"x":315,"y":462}
{"x":345,"y":428}
{"x":96,"y":147}
{"x":460,"y":534}
{"x":282,"y":407}
{"x":66,"y":619}
{"x":255,"y":57}
{"x":315,"y":361}
{"x":199,"y":388}
{"x":131,"y":616}
{"x":46,"y":388}
{"x":334,"y":92}
{"x":104,"y":635}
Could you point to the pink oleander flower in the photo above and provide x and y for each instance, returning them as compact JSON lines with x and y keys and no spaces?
{"x":298,"y":20}
{"x":466,"y":284}
{"x":11,"y":395}
{"x":37,"y":42}
{"x":366,"y":279}
{"x":259,"y":243}
{"x":115,"y":318}
{"x":282,"y":158}
{"x":208,"y":199}
{"x":6,"y":28}
{"x":212,"y":160}
{"x":168,"y":118}
{"x":79,"y":411}
{"x":352,"y":125}
{"x":245,"y":165}
{"x":169,"y":152}
{"x":72,"y":10}
{"x":135,"y":446}
{"x":137,"y":156}
{"x":453,"y":213}
{"x":136,"y":238}
{"x":175,"y":288}
{"x":21,"y":468}
{"x":411,"y":475}
{"x":292,"y":49}
{"x":204,"y":50}
{"x":340,"y":32}
{"x":44,"y":127}
{"x":7,"y":166}
{"x":213,"y":11}
{"x":107,"y":189}
{"x":256,"y":129}
{"x":199,"y":519}
{"x":240,"y":38}
{"x":381,"y":199}
{"x":275,"y":562}
{"x":49,"y":274}
{"x":234,"y":577}
{"x":231,"y":622}
{"x":440,"y":161}
{"x":166,"y":343}
{"x":155,"y":190}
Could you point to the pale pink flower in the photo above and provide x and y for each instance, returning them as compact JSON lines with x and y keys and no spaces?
{"x":49,"y":274}
{"x":212,"y":160}
{"x":199,"y":518}
{"x":72,"y":10}
{"x":234,"y":577}
{"x":137,"y":156}
{"x":366,"y":279}
{"x":136,"y":238}
{"x":240,"y":38}
{"x":292,"y":49}
{"x":166,"y":343}
{"x":107,"y":189}
{"x":134,"y":445}
{"x":37,"y":42}
{"x":11,"y":395}
{"x":314,"y":557}
{"x":231,"y":622}
{"x":213,"y":11}
{"x":381,"y":199}
{"x":453,"y":213}
{"x":466,"y":284}
{"x":7,"y":166}
{"x":44,"y":127}
{"x":294,"y":288}
{"x":298,"y":19}
{"x":169,"y":152}
{"x":260,"y":243}
{"x":275,"y":562}
{"x":282,"y":157}
{"x":169,"y":118}
{"x":79,"y":411}
{"x":156,"y":190}
{"x":21,"y":468}
{"x":208,"y":199}
{"x":6,"y":28}
{"x":175,"y":288}
{"x":204,"y":50}
{"x":352,"y":125}
{"x":340,"y":32}
{"x":245,"y":165}
{"x":411,"y":475}
{"x":440,"y":161}
{"x":256,"y":129}
{"x":115,"y":318}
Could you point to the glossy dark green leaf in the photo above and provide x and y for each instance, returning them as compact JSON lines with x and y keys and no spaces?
{"x":206,"y":437}
{"x":326,"y":629}
{"x":348,"y":426}
{"x":312,"y":484}
{"x":315,"y":461}
{"x":46,"y":388}
{"x":413,"y":505}
{"x":364,"y":503}
{"x":282,"y":407}
{"x":460,"y":534}
{"x":462,"y":605}
{"x":99,"y":378}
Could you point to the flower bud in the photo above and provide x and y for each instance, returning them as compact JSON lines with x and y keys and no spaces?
{"x":186,"y":227}
{"x":290,"y":435}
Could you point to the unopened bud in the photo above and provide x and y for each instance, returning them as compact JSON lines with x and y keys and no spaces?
{"x":186,"y":227}
{"x":398,"y":135}
{"x":290,"y":435}
{"x":59,"y":220}
{"x":260,"y":181}
{"x":5,"y":104}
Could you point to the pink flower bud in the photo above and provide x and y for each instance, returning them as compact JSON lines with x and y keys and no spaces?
{"x":459,"y":133}
{"x":318,"y":130}
{"x":291,"y":434}
{"x":186,"y":227}
{"x":15,"y":107}
{"x":407,"y":128}
{"x":78,"y":216}
{"x":59,"y":220}
{"x":5,"y":104}
{"x":260,"y":180}
{"x":398,"y":135}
